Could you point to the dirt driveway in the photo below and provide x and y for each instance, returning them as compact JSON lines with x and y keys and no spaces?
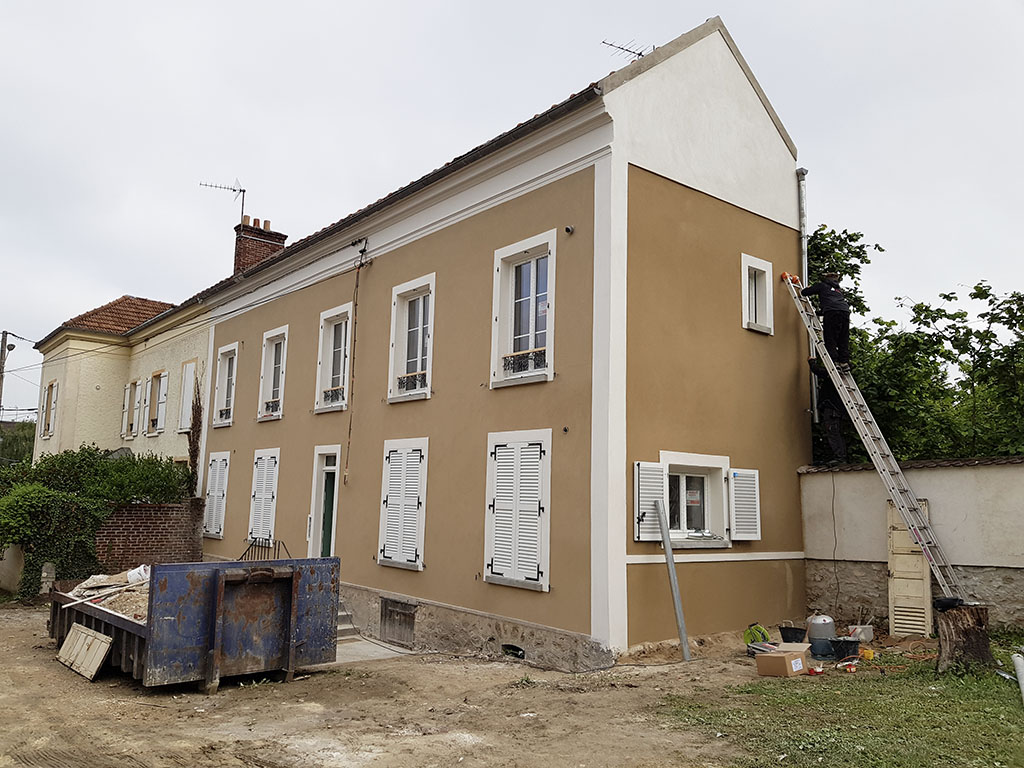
{"x":409,"y":711}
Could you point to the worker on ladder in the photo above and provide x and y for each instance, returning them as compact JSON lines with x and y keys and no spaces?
{"x":835,"y":312}
{"x":831,"y":410}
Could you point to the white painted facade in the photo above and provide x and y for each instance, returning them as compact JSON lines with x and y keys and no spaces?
{"x":975,"y":512}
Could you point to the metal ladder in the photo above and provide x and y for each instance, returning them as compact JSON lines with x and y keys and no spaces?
{"x":881,"y":456}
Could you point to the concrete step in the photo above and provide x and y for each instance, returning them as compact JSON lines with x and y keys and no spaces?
{"x":346,"y":628}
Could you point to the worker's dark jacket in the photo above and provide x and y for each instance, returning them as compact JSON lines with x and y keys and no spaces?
{"x":830,"y":294}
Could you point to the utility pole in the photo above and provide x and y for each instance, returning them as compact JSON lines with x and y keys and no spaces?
{"x":4,"y":349}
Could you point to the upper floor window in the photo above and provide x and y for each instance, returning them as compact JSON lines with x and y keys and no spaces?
{"x":522,"y":339}
{"x":131,"y":410}
{"x":224,"y":396}
{"x":272,"y":373}
{"x":156,"y":403}
{"x":332,"y":361}
{"x":756,"y":290}
{"x":412,"y":331}
{"x":48,"y":411}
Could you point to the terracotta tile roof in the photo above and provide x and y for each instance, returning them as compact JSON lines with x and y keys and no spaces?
{"x":119,"y":316}
{"x":984,"y":461}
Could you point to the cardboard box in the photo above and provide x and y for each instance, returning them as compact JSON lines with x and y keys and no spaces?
{"x":782,"y":664}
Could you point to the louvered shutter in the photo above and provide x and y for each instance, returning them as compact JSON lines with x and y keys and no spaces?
{"x":650,"y":484}
{"x":529,"y":509}
{"x":503,"y":512}
{"x":41,"y":413}
{"x":146,"y":404}
{"x":125,"y":409}
{"x":137,"y":408}
{"x":216,"y":494}
{"x":392,"y":504}
{"x":411,"y":506}
{"x":161,"y":401}
{"x":264,"y":495}
{"x":744,"y":505}
{"x":53,"y":408}
{"x":270,"y":508}
{"x":259,"y":480}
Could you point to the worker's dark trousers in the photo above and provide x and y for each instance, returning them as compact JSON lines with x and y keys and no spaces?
{"x":832,"y":423}
{"x":837,"y":335}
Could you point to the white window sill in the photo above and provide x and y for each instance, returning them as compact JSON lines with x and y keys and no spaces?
{"x":270,"y":417}
{"x":535,"y":586}
{"x":219,"y":424}
{"x":45,"y":437}
{"x":184,"y":431}
{"x":399,"y":564}
{"x":331,"y":408}
{"x":421,"y":394}
{"x":212,"y":535}
{"x":701,"y":543}
{"x":511,"y":381}
{"x":155,"y":434}
{"x":752,"y":326}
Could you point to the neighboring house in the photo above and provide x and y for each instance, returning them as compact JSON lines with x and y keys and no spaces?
{"x":474,"y":389}
{"x":124,"y":374}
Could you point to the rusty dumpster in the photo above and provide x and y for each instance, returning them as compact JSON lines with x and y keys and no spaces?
{"x":212,"y":620}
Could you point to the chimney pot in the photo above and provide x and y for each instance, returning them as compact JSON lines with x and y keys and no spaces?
{"x":256,"y":223}
{"x":245,"y":221}
{"x":266,"y":225}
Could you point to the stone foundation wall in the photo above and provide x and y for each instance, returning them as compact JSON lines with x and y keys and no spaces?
{"x":151,"y":533}
{"x":448,"y":629}
{"x":864,"y":590}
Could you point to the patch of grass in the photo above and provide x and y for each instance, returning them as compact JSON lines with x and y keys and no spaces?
{"x":906,"y":717}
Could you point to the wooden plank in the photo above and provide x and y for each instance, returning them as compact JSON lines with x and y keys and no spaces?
{"x":84,"y":650}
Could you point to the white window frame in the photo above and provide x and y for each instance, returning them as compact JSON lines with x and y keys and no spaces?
{"x":542,"y":436}
{"x":761,"y":272}
{"x":220,"y":395}
{"x":188,"y":384}
{"x":502,"y":300}
{"x":212,"y":527}
{"x":270,"y":338}
{"x":325,"y":353}
{"x":269,"y":454}
{"x":717,"y":508}
{"x":157,"y":382}
{"x":401,"y":295}
{"x":313,"y":543}
{"x":403,"y":446}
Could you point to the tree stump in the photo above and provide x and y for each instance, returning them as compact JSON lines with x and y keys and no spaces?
{"x":963,"y":638}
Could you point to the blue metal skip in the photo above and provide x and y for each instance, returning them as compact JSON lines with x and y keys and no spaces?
{"x":211,"y":620}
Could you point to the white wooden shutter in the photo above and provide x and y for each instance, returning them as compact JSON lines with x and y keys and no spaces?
{"x":529,"y":508}
{"x":137,"y":408}
{"x":503,"y":511}
{"x":188,"y":373}
{"x":216,"y":493}
{"x":53,"y":408}
{"x":264,"y":494}
{"x":146,"y":405}
{"x":744,"y":505}
{"x":161,"y":401}
{"x":650,"y":484}
{"x":41,"y":413}
{"x":402,"y":505}
{"x":125,"y":409}
{"x":910,"y":579}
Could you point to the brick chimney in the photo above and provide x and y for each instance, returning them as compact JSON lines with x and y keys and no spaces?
{"x":254,"y":243}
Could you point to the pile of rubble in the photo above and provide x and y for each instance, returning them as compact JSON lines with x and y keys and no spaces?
{"x":126,"y":593}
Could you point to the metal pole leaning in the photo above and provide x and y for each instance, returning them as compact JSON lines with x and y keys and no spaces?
{"x":677,"y":603}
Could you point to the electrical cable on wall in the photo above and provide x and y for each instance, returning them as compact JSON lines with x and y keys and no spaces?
{"x":352,"y":354}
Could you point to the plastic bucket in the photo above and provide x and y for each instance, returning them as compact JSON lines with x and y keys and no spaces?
{"x":821,"y":647}
{"x":792,"y":634}
{"x":845,"y":647}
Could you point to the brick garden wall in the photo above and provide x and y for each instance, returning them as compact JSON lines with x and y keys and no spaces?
{"x":151,"y":533}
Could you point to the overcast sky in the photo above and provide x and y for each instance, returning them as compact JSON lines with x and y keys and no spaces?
{"x":908,"y":115}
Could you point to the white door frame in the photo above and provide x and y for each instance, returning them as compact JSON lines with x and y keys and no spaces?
{"x":314,"y":526}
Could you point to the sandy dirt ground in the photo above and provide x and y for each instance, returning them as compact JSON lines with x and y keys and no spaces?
{"x":407,"y":711}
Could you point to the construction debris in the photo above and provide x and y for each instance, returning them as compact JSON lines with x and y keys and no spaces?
{"x":121,"y":593}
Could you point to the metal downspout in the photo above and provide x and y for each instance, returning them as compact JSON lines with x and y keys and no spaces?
{"x":801,"y":186}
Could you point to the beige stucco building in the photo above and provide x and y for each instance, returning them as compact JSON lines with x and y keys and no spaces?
{"x":476,"y":390}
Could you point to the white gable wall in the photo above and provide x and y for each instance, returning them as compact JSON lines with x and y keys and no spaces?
{"x":695,"y":118}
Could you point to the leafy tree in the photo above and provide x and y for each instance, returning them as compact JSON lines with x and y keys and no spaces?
{"x":16,"y":441}
{"x":842,"y":252}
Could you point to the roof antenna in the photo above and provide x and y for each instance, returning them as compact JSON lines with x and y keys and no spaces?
{"x":630,"y":49}
{"x":237,"y":189}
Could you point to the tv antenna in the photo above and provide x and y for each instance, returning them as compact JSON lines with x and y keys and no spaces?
{"x":631,"y":49}
{"x":237,"y":189}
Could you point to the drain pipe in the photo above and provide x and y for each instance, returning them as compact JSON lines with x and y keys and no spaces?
{"x":801,"y":187}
